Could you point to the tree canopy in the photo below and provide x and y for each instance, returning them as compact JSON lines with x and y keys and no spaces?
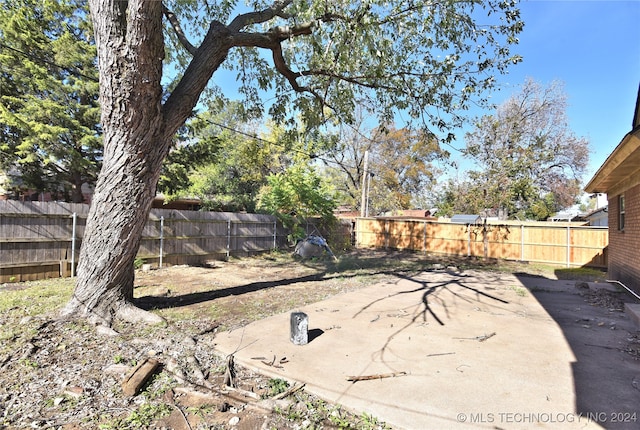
{"x":225,"y":160}
{"x":401,"y":166}
{"x":49,"y":113}
{"x":529,"y":161}
{"x":428,"y":60}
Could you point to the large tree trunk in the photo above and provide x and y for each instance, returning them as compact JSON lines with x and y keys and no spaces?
{"x":138,"y":130}
{"x":117,"y":216}
{"x":130,"y":54}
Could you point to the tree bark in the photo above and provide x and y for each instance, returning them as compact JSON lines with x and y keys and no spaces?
{"x":130,"y":53}
{"x":118,"y":213}
{"x":76,"y":187}
{"x":137,"y":134}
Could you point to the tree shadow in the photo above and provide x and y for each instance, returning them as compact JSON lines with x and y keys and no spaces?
{"x":155,"y":302}
{"x":164,"y":302}
{"x":429,"y":290}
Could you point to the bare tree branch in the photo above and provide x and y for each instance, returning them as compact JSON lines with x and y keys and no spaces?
{"x":272,"y":40}
{"x":173,"y":20}
{"x":281,"y":66}
{"x":245,"y":19}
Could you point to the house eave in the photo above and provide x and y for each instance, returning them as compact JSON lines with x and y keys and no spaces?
{"x":622,"y":165}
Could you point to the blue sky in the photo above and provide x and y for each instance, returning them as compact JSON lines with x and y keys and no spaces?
{"x":593,"y":48}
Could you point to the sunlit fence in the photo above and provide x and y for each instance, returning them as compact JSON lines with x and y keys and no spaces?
{"x":565,"y":244}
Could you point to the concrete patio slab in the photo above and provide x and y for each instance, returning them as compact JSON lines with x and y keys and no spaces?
{"x":468,"y":350}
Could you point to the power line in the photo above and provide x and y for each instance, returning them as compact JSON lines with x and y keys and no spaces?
{"x":259,"y":139}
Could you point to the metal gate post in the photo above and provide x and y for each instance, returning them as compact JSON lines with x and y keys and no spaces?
{"x":73,"y":245}
{"x":275,"y":233}
{"x":161,"y":241}
{"x":228,"y":238}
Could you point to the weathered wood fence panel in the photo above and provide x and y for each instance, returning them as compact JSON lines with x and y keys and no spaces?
{"x":36,"y":238}
{"x":565,"y":244}
{"x":190,"y":237}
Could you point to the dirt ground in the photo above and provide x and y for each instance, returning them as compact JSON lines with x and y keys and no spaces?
{"x":62,"y":374}
{"x":243,"y":290}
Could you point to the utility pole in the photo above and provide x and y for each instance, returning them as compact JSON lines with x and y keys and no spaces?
{"x":365,"y":176}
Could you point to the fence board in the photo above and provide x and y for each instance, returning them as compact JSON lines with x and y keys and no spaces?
{"x":552,"y":243}
{"x":35,"y":237}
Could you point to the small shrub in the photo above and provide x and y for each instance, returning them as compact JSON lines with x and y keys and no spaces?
{"x":277,"y":386}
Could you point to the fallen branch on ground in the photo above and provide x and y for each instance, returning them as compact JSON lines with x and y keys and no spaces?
{"x":601,"y":346}
{"x":230,"y":374}
{"x":478,"y":338}
{"x":287,"y":393}
{"x":248,"y":394}
{"x":378,"y":376}
{"x":138,"y":376}
{"x":272,"y":363}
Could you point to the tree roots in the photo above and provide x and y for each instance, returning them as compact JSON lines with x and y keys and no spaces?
{"x":103,"y":318}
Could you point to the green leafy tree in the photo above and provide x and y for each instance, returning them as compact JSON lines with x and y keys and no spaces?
{"x":296,"y":195}
{"x":230,"y":176}
{"x":529,"y":160}
{"x":454,"y":197}
{"x":294,"y":189}
{"x":430,"y":60}
{"x":49,"y":113}
{"x":182,"y":161}
{"x":231,"y":182}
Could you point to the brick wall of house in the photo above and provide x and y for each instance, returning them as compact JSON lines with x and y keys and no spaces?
{"x":624,"y":246}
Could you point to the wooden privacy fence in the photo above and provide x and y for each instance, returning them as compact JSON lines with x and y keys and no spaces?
{"x":42,"y":240}
{"x":565,"y":244}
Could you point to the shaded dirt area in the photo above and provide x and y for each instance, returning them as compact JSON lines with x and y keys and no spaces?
{"x":62,"y":374}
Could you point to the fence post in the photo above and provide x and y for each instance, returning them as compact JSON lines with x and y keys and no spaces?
{"x":568,"y":245}
{"x":275,"y":235}
{"x":387,"y":234}
{"x":228,"y":238}
{"x":161,"y":241}
{"x":469,"y":241}
{"x":73,"y":245}
{"x":521,"y":242}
